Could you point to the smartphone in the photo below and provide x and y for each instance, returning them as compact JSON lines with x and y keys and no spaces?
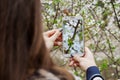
{"x":73,"y":36}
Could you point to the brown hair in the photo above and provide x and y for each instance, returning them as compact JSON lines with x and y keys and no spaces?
{"x":22,"y":48}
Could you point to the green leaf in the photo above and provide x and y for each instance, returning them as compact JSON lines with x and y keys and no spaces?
{"x":92,"y":46}
{"x":81,"y":36}
{"x":104,"y":65}
{"x":55,"y":21}
{"x":108,"y":41}
{"x":105,"y":14}
{"x":100,"y":3}
{"x":56,"y":1}
{"x":76,"y":73}
{"x":70,"y":42}
{"x":117,"y":5}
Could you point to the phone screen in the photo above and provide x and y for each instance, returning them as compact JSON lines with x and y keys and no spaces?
{"x":73,"y":36}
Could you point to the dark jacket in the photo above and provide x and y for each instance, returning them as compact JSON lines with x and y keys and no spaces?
{"x":93,"y":73}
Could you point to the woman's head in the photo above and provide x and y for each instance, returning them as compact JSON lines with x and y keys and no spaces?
{"x":22,"y":48}
{"x":21,"y":43}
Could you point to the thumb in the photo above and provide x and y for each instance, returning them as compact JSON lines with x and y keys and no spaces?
{"x":88,"y":53}
{"x":55,"y":35}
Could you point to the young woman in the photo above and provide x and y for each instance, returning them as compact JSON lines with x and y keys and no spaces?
{"x":23,"y":54}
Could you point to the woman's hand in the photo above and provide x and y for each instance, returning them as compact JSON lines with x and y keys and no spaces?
{"x":52,"y":38}
{"x":83,"y":62}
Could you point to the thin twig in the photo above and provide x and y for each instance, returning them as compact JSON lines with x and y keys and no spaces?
{"x":115,"y":13}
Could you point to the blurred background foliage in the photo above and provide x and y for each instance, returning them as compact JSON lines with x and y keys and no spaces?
{"x":102,"y":31}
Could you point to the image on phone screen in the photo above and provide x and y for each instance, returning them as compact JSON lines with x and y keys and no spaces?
{"x":73,"y":36}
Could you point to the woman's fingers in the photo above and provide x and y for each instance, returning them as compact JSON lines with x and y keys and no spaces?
{"x":71,"y":63}
{"x":59,"y":38}
{"x":78,"y":58}
{"x":74,"y":63}
{"x":55,"y":35}
{"x":57,"y":43}
{"x":50,"y":33}
{"x":88,"y":53}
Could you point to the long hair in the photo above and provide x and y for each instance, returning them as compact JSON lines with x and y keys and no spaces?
{"x":22,"y":48}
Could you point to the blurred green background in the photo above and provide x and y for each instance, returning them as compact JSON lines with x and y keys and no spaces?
{"x":102,"y":31}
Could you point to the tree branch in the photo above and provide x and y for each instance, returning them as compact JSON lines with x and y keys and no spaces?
{"x":73,"y":37}
{"x":115,"y":13}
